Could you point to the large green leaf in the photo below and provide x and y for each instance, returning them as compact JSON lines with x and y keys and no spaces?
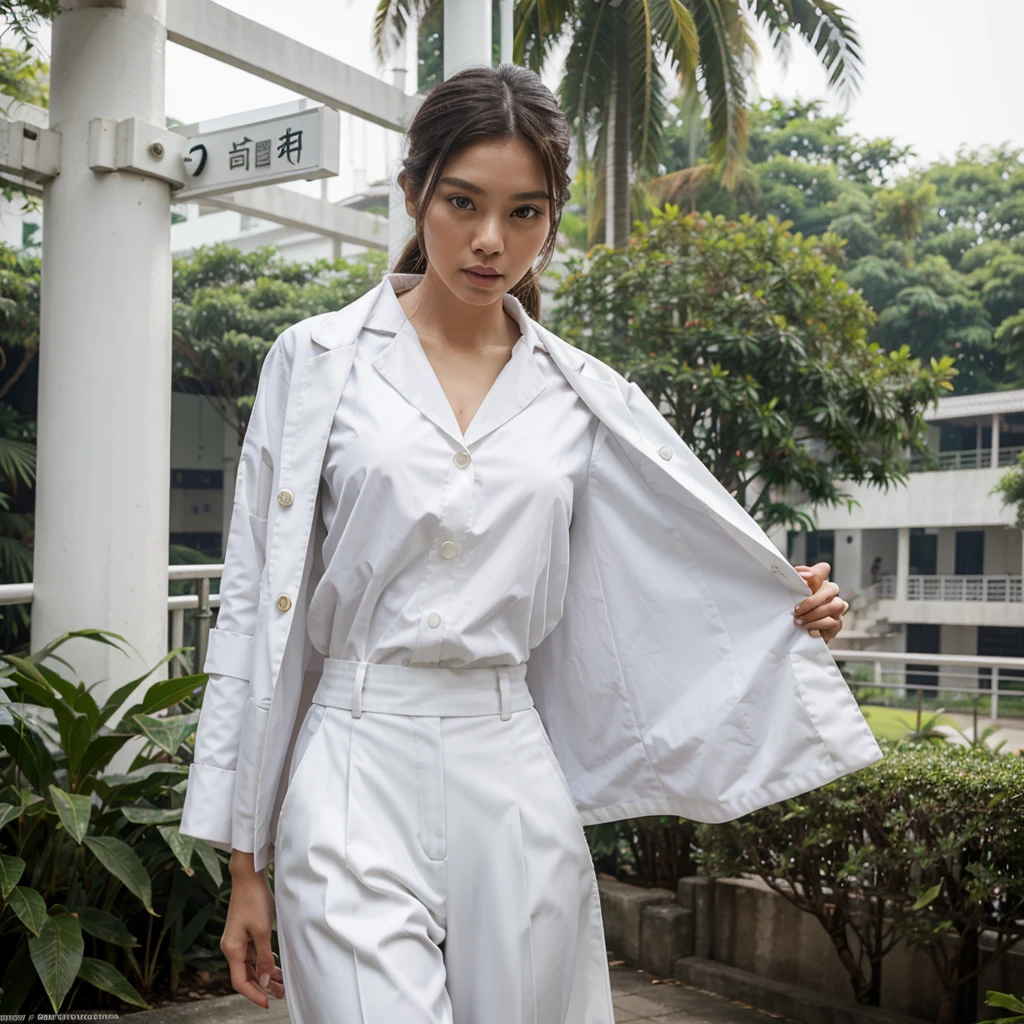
{"x":99,"y":753}
{"x":8,"y":812}
{"x":123,"y":862}
{"x":29,"y":906}
{"x":167,"y":732}
{"x":105,"y":976}
{"x":143,"y":773}
{"x":57,"y":955}
{"x":11,"y":870}
{"x":208,"y":855}
{"x":28,"y":752}
{"x":101,"y":924}
{"x":74,"y":811}
{"x":169,"y":692}
{"x":151,"y":815}
{"x":181,"y":846}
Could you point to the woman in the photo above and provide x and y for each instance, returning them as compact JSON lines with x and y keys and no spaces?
{"x":431,"y":864}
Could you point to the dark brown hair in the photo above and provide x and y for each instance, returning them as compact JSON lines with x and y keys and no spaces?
{"x":479,"y":103}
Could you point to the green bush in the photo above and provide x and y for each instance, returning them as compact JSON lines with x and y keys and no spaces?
{"x":925,"y":845}
{"x":99,"y":888}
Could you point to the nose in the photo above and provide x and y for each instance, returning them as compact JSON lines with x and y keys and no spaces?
{"x":488,"y":236}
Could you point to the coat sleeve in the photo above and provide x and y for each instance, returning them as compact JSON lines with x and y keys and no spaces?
{"x":209,"y":796}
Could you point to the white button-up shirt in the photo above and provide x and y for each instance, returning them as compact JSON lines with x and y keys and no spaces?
{"x":442,"y":548}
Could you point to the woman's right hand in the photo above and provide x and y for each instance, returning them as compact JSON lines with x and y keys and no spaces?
{"x":246,"y":939}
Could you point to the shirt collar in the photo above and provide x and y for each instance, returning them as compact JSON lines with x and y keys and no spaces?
{"x":388,"y":316}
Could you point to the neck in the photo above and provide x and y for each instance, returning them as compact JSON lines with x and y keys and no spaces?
{"x":437,"y":313}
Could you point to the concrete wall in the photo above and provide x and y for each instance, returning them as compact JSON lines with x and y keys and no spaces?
{"x":757,"y":930}
{"x":708,"y":928}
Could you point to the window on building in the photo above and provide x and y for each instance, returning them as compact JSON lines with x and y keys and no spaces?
{"x":923,"y":637}
{"x":970,"y":552}
{"x":923,"y":552}
{"x":1001,"y":642}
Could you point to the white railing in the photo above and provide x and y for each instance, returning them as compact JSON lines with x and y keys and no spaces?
{"x":202,"y":601}
{"x":884,"y":663}
{"x":990,"y":587}
{"x":971,"y":458}
{"x":994,"y":587}
{"x":894,"y":663}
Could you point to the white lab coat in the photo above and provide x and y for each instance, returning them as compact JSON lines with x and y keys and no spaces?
{"x":676,"y":681}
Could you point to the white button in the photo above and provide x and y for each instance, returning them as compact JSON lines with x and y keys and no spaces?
{"x":284,"y":602}
{"x":665,"y":452}
{"x":449,"y":549}
{"x":285,"y":497}
{"x":461,"y":459}
{"x":433,"y":619}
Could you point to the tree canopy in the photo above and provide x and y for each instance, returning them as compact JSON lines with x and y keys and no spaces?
{"x":757,"y":352}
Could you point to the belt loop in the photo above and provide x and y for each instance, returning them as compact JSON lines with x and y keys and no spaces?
{"x":357,"y":690}
{"x":506,"y":696}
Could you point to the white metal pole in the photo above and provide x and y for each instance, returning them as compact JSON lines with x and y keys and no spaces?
{"x":103,"y":486}
{"x":505,"y":22}
{"x":467,"y":34}
{"x":401,"y":226}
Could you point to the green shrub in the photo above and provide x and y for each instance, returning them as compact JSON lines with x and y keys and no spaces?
{"x":99,"y":888}
{"x":925,"y":845}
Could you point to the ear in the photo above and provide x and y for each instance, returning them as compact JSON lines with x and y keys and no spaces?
{"x":410,"y":207}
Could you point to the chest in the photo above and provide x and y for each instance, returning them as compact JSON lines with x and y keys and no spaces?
{"x":389,"y":452}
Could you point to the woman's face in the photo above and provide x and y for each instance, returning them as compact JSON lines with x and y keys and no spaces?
{"x":491,"y":208}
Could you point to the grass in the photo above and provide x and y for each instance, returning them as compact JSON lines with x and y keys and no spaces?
{"x":894,"y":723}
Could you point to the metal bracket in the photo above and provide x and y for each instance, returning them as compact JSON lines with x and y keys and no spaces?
{"x":135,"y":145}
{"x":30,"y":152}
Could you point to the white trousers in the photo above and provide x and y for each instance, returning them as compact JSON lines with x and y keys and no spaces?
{"x":430,"y":864}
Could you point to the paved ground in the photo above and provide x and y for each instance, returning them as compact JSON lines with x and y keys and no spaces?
{"x":637,"y":995}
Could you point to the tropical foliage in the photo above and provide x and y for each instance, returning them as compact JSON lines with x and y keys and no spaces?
{"x":924,"y":846}
{"x":756,"y":351}
{"x":614,"y":91}
{"x":103,"y":899}
{"x":229,"y":306}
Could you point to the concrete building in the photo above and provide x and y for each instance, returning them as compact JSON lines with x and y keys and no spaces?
{"x":934,"y":566}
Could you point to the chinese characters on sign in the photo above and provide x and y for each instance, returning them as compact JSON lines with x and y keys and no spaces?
{"x":305,"y":144}
{"x":289,"y":146}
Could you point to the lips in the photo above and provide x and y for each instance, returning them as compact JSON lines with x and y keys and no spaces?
{"x":483,"y":272}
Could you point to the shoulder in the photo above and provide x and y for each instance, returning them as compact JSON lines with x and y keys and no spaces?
{"x":584,"y":363}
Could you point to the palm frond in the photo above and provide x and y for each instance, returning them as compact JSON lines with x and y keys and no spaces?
{"x":391,"y":22}
{"x":724,"y":85}
{"x":537,"y":27}
{"x":829,"y":31}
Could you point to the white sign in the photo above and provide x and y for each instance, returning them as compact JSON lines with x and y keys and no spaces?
{"x":305,"y":144}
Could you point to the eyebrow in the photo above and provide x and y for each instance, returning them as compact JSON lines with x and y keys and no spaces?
{"x":470,"y":187}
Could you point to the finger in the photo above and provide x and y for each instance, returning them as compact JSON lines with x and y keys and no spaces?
{"x":823,"y":596}
{"x":818,"y":627}
{"x":816,"y":574}
{"x":265,"y":965}
{"x":831,"y":608}
{"x":235,"y":954}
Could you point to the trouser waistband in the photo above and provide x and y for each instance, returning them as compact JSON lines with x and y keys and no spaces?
{"x":423,"y":689}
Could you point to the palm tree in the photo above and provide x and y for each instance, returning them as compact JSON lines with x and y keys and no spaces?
{"x":615,"y":93}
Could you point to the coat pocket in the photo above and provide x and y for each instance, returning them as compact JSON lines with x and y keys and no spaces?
{"x":311,"y":725}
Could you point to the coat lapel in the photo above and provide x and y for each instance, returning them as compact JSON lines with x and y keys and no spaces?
{"x":682,"y":475}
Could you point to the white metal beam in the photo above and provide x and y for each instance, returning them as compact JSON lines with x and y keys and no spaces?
{"x":210,"y":29}
{"x":306,"y":213}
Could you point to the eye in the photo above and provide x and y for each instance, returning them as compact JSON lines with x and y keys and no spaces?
{"x":452,"y":200}
{"x":535,"y":211}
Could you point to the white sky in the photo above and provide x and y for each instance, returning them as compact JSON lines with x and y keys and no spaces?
{"x":936,"y":74}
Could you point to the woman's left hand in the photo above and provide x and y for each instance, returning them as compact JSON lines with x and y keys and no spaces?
{"x":821,"y":614}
